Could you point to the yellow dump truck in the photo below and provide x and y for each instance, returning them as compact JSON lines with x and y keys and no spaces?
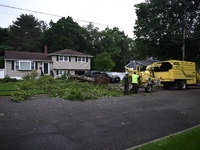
{"x":174,"y":73}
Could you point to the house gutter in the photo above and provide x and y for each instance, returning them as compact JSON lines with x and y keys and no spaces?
{"x":31,"y":60}
{"x":54,"y":54}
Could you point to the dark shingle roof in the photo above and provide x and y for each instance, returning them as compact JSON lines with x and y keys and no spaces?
{"x":26,"y":55}
{"x":142,"y":63}
{"x":133,"y":64}
{"x":70,"y":53}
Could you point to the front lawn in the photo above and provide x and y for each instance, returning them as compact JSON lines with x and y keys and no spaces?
{"x":66,"y":89}
{"x":6,"y":89}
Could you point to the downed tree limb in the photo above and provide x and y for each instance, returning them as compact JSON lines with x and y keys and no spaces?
{"x":83,"y":78}
{"x":98,"y":80}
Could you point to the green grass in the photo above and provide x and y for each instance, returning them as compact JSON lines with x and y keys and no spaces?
{"x":188,"y":140}
{"x":11,"y":86}
{"x":5,"y":93}
{"x":6,"y":89}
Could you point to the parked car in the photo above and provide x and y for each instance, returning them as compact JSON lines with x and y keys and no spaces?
{"x":94,"y":73}
{"x":113,"y":78}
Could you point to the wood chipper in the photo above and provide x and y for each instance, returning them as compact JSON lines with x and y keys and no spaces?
{"x":146,"y":78}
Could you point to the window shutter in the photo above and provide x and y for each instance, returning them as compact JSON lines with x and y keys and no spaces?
{"x":13,"y":65}
{"x":86,"y":59}
{"x":36,"y":66}
{"x":76,"y":59}
{"x":57,"y":58}
{"x":57,"y":72}
{"x":69,"y":58}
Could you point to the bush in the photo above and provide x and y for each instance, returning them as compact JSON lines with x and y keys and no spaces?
{"x":30,"y":76}
{"x":8,"y":79}
{"x":26,"y":77}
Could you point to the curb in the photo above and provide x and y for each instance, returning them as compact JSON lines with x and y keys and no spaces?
{"x":162,"y":138}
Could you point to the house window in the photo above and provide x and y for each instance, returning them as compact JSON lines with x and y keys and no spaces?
{"x":81,"y":59}
{"x":24,"y":65}
{"x":61,"y":72}
{"x":17,"y":65}
{"x":64,"y":58}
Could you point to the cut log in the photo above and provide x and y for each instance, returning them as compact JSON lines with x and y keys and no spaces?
{"x":83,"y":78}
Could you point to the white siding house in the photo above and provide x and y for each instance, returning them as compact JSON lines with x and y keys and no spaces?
{"x":19,"y":64}
{"x":70,"y":61}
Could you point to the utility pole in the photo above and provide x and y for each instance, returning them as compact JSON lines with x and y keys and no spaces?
{"x":183,"y":48}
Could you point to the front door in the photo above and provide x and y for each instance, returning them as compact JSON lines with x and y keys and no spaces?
{"x":46,"y":68}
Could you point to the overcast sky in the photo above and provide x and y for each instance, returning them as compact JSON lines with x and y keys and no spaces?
{"x":114,"y":13}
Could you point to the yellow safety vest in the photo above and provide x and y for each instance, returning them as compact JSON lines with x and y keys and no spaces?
{"x":135,"y":78}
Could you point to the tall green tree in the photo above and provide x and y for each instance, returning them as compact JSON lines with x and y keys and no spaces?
{"x":118,"y":45}
{"x":4,"y":35}
{"x":65,"y":34}
{"x":92,"y":36}
{"x":25,"y":34}
{"x":103,"y":62}
{"x":160,"y":25}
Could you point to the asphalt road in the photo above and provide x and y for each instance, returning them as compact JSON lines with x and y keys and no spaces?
{"x":110,"y":123}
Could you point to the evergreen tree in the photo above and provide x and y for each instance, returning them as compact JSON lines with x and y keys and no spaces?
{"x":25,"y":34}
{"x":4,"y":35}
{"x":65,"y":34}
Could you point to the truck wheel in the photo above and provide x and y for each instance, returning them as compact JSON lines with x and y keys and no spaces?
{"x":182,"y":85}
{"x":148,"y":89}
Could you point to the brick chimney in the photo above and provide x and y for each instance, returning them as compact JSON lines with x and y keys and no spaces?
{"x":45,"y":49}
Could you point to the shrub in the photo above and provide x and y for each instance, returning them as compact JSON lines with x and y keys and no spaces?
{"x":26,"y":77}
{"x":30,"y":76}
{"x":8,"y":79}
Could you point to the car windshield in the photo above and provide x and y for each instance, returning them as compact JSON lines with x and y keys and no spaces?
{"x":110,"y":74}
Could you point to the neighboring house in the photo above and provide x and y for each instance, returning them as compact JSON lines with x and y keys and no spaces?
{"x":19,"y":64}
{"x":142,"y":63}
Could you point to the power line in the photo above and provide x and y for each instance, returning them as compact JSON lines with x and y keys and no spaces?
{"x":54,"y":15}
{"x":43,"y":13}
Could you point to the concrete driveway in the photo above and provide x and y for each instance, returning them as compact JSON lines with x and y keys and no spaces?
{"x":110,"y":123}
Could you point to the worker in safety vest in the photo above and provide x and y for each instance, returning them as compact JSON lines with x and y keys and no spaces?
{"x":135,"y":83}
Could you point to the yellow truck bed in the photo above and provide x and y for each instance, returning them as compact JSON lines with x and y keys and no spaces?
{"x":174,"y":72}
